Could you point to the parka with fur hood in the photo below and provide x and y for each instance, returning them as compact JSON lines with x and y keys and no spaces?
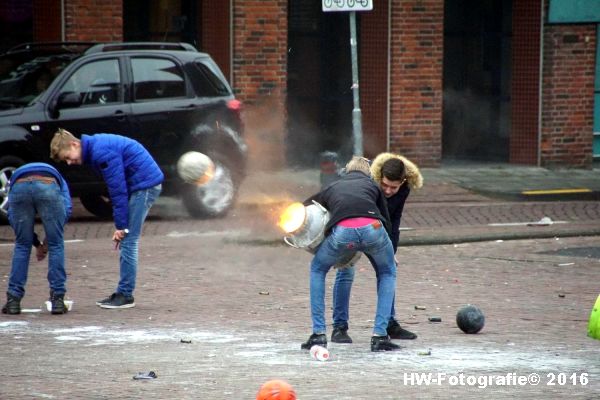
{"x":414,"y":180}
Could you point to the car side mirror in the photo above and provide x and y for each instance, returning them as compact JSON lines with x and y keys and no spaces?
{"x":68,"y":100}
{"x":64,"y":100}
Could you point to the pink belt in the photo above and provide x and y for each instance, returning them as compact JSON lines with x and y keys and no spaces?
{"x":358,"y":222}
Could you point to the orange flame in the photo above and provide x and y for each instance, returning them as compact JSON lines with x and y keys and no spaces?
{"x":208,"y":175}
{"x":292,"y":218}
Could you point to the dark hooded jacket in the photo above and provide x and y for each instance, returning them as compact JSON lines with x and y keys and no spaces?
{"x":353,"y":195}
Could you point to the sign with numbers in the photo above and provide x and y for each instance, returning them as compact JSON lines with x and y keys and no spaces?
{"x":347,"y":5}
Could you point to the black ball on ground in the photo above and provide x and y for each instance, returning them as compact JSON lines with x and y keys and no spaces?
{"x":470,"y":319}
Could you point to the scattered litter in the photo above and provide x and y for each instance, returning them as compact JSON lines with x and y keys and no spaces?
{"x":186,"y":340}
{"x":31,"y":310}
{"x":420,"y":308}
{"x":145,"y":375}
{"x":264,"y":292}
{"x":435,"y":319}
{"x":565,"y":264}
{"x":544,"y":221}
{"x":561,"y":295}
{"x":68,"y":305}
{"x":424,"y":353}
{"x":319,"y":353}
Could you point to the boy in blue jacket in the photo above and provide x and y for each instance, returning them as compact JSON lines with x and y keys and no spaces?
{"x":134,"y":182}
{"x":37,"y":188}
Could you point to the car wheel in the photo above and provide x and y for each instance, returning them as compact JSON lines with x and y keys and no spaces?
{"x":98,"y":205}
{"x":216,"y":197}
{"x":8,"y":164}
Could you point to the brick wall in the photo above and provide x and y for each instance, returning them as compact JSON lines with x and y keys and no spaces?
{"x":260,"y":76}
{"x":416,"y":80}
{"x":568,"y":95}
{"x":94,"y":20}
{"x":260,"y":48}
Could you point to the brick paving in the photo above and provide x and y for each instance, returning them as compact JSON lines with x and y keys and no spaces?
{"x":232,"y":288}
{"x":244,"y":307}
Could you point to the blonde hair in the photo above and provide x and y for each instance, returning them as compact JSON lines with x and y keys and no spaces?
{"x":360,"y":164}
{"x":61,"y":141}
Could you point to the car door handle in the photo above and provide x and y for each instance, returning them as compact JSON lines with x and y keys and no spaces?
{"x":120,"y":115}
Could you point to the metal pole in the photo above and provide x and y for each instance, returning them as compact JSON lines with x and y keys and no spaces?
{"x":356,"y":113}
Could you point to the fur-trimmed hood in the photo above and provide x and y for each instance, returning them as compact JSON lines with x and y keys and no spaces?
{"x":413,"y":175}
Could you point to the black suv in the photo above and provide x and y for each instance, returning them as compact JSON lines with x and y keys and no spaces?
{"x":168,"y":96}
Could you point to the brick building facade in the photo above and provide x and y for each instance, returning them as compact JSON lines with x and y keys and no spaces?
{"x":402,"y":64}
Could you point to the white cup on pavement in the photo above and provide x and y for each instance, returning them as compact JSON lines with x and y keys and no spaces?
{"x":68,"y":304}
{"x":319,"y":353}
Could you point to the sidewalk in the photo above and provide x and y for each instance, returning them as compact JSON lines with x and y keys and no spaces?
{"x":465,"y":203}
{"x":511,"y":182}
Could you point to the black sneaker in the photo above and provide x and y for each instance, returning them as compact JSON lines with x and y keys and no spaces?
{"x":383,"y":343}
{"x":58,"y":304}
{"x":117,"y":300}
{"x":12,"y":306}
{"x":396,"y":332}
{"x":319,"y":339}
{"x":105,"y":301}
{"x":340,"y":334}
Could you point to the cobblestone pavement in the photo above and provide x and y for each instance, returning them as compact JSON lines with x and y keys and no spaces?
{"x":233,"y":290}
{"x":245,"y":309}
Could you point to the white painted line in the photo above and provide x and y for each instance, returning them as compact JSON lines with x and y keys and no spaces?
{"x":536,"y":223}
{"x":66,"y":241}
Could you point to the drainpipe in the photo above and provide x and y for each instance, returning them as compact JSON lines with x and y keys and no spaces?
{"x":62,"y":20}
{"x":231,"y":40}
{"x":541,"y":77}
{"x":389,"y":77}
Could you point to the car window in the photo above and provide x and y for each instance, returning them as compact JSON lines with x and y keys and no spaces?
{"x":156,"y":78}
{"x":206,"y":83}
{"x":97,"y":82}
{"x":23,"y":77}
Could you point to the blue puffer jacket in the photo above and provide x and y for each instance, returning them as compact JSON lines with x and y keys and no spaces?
{"x":126,"y":167}
{"x":44,"y":169}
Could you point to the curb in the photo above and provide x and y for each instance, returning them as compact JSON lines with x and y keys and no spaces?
{"x":539,"y":195}
{"x":448,"y":239}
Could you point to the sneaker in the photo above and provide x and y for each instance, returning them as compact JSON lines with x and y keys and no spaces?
{"x":117,"y":300}
{"x":319,"y":339}
{"x":383,"y":343}
{"x":396,"y":332}
{"x":105,"y":301}
{"x":12,"y":306}
{"x":340,"y":334}
{"x":58,"y":303}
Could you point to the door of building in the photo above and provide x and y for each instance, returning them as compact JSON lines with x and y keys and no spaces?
{"x":477,"y":66}
{"x":319,"y":109}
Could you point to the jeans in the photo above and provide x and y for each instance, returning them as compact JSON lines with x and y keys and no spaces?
{"x":341,"y":296}
{"x":371,"y":240}
{"x":25,"y":200}
{"x":140,"y":203}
